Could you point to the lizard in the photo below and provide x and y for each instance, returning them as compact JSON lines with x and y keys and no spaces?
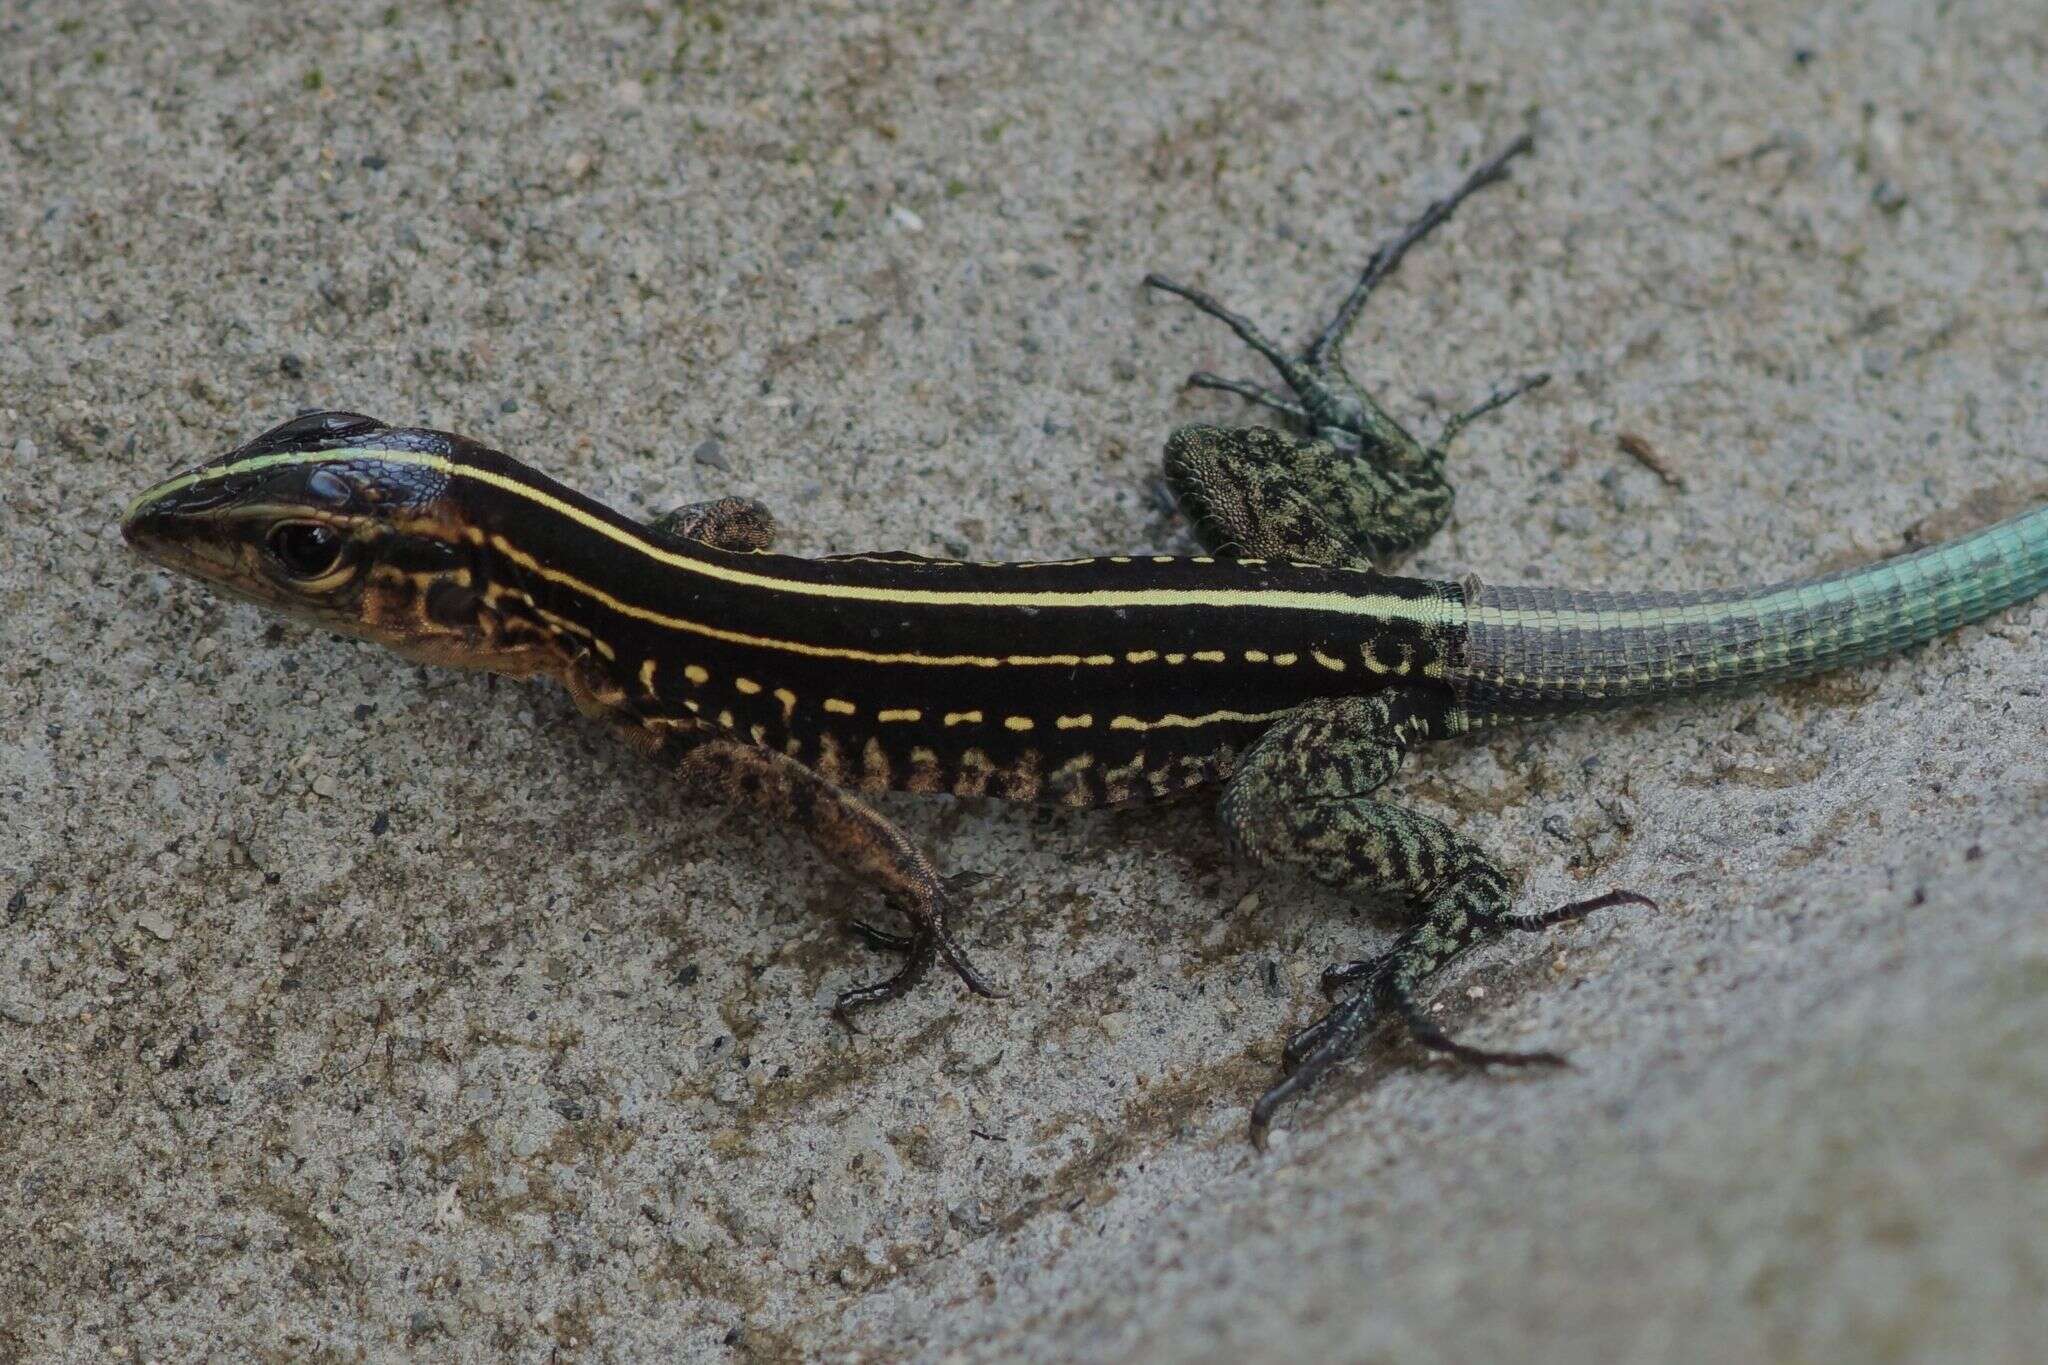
{"x":1285,"y":666}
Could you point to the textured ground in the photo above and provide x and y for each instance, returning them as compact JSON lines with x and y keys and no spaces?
{"x":349,"y":1009}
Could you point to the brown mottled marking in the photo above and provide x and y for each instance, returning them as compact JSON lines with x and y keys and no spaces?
{"x":971,"y":773}
{"x":1121,"y":784}
{"x":875,"y":767}
{"x":830,"y":764}
{"x":926,"y":773}
{"x":1070,"y":782}
{"x":1019,"y":780}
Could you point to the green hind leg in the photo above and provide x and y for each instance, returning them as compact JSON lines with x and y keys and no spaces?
{"x":1364,"y":489}
{"x":1256,"y":493}
{"x":1302,"y":796}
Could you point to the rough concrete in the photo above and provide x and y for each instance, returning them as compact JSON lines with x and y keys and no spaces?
{"x":349,"y":1009}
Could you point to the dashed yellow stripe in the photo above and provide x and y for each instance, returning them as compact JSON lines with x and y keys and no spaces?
{"x":839,"y":706}
{"x":905,"y":713}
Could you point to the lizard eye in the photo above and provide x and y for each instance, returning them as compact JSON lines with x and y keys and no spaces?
{"x":306,"y":549}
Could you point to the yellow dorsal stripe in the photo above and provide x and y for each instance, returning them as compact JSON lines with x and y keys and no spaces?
{"x":1368,"y":603}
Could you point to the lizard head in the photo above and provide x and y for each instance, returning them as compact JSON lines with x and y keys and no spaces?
{"x":339,"y":521}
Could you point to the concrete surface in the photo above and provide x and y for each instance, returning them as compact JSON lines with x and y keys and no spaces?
{"x":349,"y":1010}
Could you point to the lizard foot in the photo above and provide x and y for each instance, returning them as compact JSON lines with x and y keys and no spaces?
{"x":929,"y":940}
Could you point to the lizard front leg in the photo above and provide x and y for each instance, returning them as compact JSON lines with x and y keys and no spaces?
{"x":1303,"y":796}
{"x":849,"y":832}
{"x":844,"y":828}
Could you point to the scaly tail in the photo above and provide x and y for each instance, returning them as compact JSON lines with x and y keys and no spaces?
{"x":1551,"y":651}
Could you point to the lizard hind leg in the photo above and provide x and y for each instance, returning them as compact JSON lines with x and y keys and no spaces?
{"x":1302,"y":796}
{"x":722,"y":523}
{"x":1257,"y":493}
{"x":1365,"y":453}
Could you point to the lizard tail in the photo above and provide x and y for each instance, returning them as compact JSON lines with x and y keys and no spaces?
{"x":1546,"y":651}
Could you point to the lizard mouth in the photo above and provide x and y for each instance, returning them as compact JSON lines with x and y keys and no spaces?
{"x":167,"y":525}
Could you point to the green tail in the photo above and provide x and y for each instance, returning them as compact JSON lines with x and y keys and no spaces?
{"x":1544,"y":651}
